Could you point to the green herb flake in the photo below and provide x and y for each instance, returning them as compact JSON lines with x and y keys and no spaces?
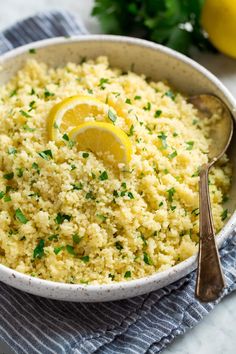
{"x":77,"y":186}
{"x":72,"y":167}
{"x":224,"y":214}
{"x":32,"y":106}
{"x":60,"y":218}
{"x":35,"y":166}
{"x":13,"y":93}
{"x":162,"y":136}
{"x":147,"y":107}
{"x":39,"y":249}
{"x":160,"y":204}
{"x":58,"y":249}
{"x":53,"y":237}
{"x":119,"y":245}
{"x":128,"y":101}
{"x":8,"y":176}
{"x":175,"y":134}
{"x":28,"y":129}
{"x":2,"y":194}
{"x":20,"y":216}
{"x":103,"y":176}
{"x":65,"y":137}
{"x":76,"y":238}
{"x":111,"y":276}
{"x":147,"y":259}
{"x":90,"y":91}
{"x":48,"y":94}
{"x":130,"y":195}
{"x":131,"y":130}
{"x":7,"y":198}
{"x":189,"y":145}
{"x":195,"y":212}
{"x":102,"y":82}
{"x":115,"y":193}
{"x":170,"y":94}
{"x":46,"y":155}
{"x":173,"y":207}
{"x":85,"y":155}
{"x":137,"y":97}
{"x":171,"y":193}
{"x":172,"y":155}
{"x":127,"y":274}
{"x":157,"y":113}
{"x":85,"y":259}
{"x":123,"y":185}
{"x":32,"y":51}
{"x":24,"y":114}
{"x":101,"y":217}
{"x":90,"y":195}
{"x":70,"y":249}
{"x":112,"y":116}
{"x":12,"y":151}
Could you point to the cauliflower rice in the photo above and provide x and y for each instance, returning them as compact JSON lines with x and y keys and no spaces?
{"x":69,"y":216}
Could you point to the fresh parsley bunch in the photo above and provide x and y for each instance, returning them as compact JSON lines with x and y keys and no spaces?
{"x":174,"y":23}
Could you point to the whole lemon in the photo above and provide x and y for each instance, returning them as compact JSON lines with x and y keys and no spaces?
{"x":219,"y":21}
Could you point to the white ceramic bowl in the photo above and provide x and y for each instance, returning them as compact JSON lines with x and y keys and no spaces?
{"x":154,"y":61}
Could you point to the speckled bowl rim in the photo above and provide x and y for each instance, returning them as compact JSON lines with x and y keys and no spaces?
{"x":190,"y":263}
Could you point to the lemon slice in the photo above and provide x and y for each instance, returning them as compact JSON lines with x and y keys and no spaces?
{"x":73,"y":111}
{"x":103,"y":139}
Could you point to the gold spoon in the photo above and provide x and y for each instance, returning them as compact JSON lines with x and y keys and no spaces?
{"x":210,"y":280}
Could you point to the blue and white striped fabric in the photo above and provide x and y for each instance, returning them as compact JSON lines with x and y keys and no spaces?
{"x":145,"y":324}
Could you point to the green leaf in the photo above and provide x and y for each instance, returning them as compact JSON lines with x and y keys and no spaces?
{"x":53,"y":237}
{"x":112,"y":116}
{"x":76,"y":238}
{"x":39,"y":249}
{"x":46,"y":154}
{"x":119,"y":245}
{"x":103,"y":176}
{"x":58,"y":249}
{"x":25,"y":114}
{"x":85,"y":259}
{"x":32,"y":51}
{"x":20,"y":216}
{"x":8,"y":176}
{"x":147,"y":259}
{"x":70,"y":249}
{"x":224,"y":214}
{"x":60,"y":218}
{"x":179,"y":40}
{"x":127,"y":274}
{"x":171,"y":193}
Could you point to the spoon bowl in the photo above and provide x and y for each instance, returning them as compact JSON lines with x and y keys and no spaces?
{"x":210,"y":280}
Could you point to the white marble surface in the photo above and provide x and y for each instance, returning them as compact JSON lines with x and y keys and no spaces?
{"x":216,"y":334}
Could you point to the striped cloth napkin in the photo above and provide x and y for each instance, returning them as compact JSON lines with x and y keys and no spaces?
{"x":145,"y":324}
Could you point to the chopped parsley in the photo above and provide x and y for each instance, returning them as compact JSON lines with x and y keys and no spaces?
{"x":224,"y":214}
{"x":172,"y":155}
{"x":157,"y":113}
{"x":32,"y":51}
{"x":101,"y":217}
{"x":147,"y":107}
{"x":195,"y":211}
{"x":12,"y":151}
{"x":2,"y":194}
{"x":35,"y":166}
{"x":76,"y":238}
{"x":70,"y":249}
{"x":73,"y":167}
{"x":147,"y":259}
{"x":58,"y":249}
{"x":46,"y":154}
{"x":175,"y":134}
{"x":77,"y":186}
{"x":13,"y":93}
{"x":127,"y":274}
{"x":65,"y":137}
{"x":32,"y":106}
{"x":170,"y":94}
{"x":7,"y":198}
{"x":90,"y":195}
{"x":85,"y":259}
{"x":85,"y":155}
{"x":48,"y":94}
{"x":111,"y":115}
{"x":123,"y":185}
{"x":115,"y":193}
{"x":130,"y":195}
{"x":173,"y":207}
{"x":131,"y":130}
{"x":102,"y":82}
{"x":162,"y":136}
{"x":137,"y":97}
{"x":20,"y":216}
{"x":25,"y":114}
{"x":8,"y":176}
{"x":171,"y":193}
{"x":189,"y":145}
{"x":53,"y":237}
{"x":119,"y":245}
{"x":28,"y":129}
{"x":60,"y":218}
{"x":103,"y":176}
{"x":128,"y":101}
{"x":160,"y":204}
{"x":39,"y":249}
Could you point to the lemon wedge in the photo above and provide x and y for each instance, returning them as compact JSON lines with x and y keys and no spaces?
{"x":73,"y":111}
{"x":103,"y":139}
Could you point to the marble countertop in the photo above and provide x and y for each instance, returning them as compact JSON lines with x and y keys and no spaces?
{"x":216,"y":333}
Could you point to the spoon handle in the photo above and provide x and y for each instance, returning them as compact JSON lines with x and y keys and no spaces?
{"x":210,"y":280}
